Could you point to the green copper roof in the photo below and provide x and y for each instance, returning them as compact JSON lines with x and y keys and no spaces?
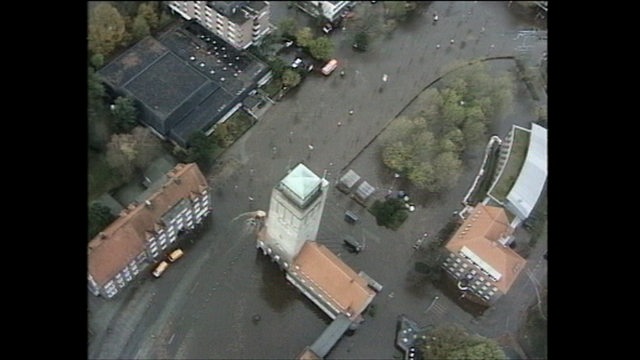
{"x":302,"y":182}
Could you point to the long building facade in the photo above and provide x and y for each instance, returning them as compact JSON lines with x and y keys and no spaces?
{"x":240,"y":23}
{"x":144,"y":230}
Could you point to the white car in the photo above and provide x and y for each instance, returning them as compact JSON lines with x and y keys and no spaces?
{"x":297,"y":62}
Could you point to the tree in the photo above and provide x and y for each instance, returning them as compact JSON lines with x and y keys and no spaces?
{"x":452,"y":111}
{"x":447,"y":168}
{"x":456,"y":137}
{"x":99,"y":218}
{"x":304,"y":37}
{"x":125,"y":114}
{"x":149,"y":13}
{"x":396,"y":9}
{"x":391,"y":213}
{"x":398,"y":157}
{"x":430,"y":263}
{"x":201,"y":149}
{"x":127,"y":153}
{"x":474,"y":131}
{"x":452,"y":343}
{"x":94,"y":86}
{"x":120,"y":156}
{"x":361,"y":41}
{"x":140,"y":27}
{"x":146,"y":145}
{"x":370,"y":23}
{"x":321,"y":48}
{"x":98,"y":134}
{"x":290,"y":78}
{"x":106,"y":29}
{"x":278,"y":66}
{"x":97,"y":60}
{"x":287,"y":27}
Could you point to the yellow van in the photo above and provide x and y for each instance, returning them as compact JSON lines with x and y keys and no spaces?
{"x":160,"y":268}
{"x":175,"y":255}
{"x":329,"y":67}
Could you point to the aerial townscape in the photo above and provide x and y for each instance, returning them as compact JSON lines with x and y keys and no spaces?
{"x":317,"y":180}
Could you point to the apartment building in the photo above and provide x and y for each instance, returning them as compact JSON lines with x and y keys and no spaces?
{"x":480,"y":259}
{"x":144,"y":230}
{"x":240,"y":23}
{"x":326,"y":10}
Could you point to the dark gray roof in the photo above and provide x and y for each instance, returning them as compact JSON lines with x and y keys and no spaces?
{"x":184,"y":81}
{"x":132,"y":62}
{"x":166,"y":84}
{"x":330,"y":336}
{"x":203,"y":115}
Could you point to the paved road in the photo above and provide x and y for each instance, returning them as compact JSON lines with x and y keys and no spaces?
{"x":202,"y":307}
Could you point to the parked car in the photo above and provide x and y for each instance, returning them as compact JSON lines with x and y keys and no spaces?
{"x":175,"y":255}
{"x":352,"y":244}
{"x":350,"y":217}
{"x":329,"y":67}
{"x":297,"y":62}
{"x":327,"y":28}
{"x":157,"y":272}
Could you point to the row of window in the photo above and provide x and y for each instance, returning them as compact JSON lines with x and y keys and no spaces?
{"x":478,"y":266}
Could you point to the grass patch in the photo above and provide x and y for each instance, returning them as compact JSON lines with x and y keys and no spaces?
{"x":513,"y":166}
{"x":232,"y":129}
{"x":481,"y":190}
{"x":101,"y":176}
{"x":273,"y":88}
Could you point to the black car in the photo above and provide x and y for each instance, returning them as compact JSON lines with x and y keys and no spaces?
{"x":352,"y":244}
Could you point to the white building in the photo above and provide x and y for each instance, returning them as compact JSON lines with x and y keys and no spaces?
{"x":240,"y":23}
{"x":294,"y":214}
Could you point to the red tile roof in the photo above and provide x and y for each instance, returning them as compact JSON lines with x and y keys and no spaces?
{"x":125,"y":238}
{"x":334,"y":279}
{"x":480,"y":233}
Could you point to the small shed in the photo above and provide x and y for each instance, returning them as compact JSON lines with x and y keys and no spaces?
{"x":348,"y":181}
{"x":363,"y":192}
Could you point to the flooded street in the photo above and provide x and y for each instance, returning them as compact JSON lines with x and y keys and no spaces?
{"x":205,"y":305}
